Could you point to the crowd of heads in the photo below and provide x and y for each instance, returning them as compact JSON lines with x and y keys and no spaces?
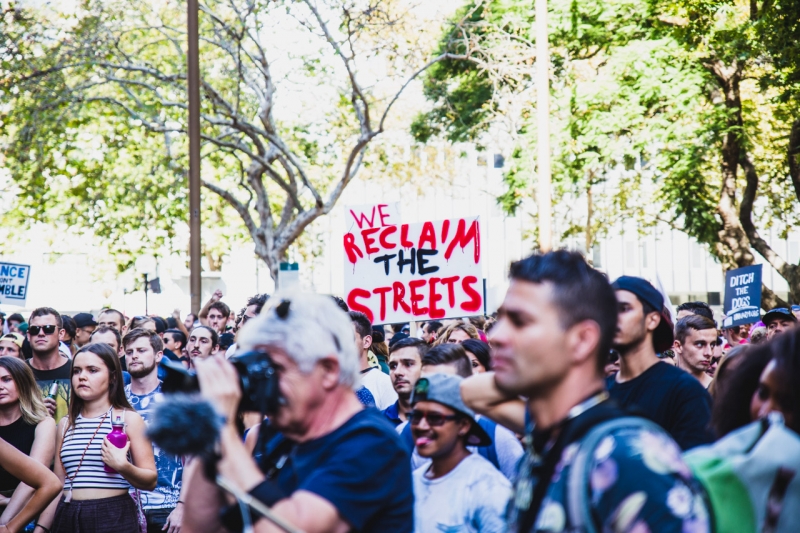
{"x":563,"y":328}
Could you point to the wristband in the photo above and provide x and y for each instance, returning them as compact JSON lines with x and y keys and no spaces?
{"x":267,"y":492}
{"x":35,"y":525}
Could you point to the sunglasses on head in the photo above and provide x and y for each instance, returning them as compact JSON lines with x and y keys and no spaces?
{"x":48,"y":330}
{"x":434,"y":419}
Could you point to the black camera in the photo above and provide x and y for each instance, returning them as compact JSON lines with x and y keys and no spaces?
{"x":257,"y":379}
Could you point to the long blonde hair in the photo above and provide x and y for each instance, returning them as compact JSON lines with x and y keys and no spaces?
{"x":444,"y":336}
{"x":30,"y":397}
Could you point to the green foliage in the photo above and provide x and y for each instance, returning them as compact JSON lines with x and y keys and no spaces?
{"x":637,"y":116}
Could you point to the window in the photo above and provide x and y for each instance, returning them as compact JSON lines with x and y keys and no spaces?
{"x":597,"y":261}
{"x":713,"y":298}
{"x":630,"y":255}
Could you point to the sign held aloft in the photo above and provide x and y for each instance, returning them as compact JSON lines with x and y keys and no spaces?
{"x":742,"y":296}
{"x":14,"y":283}
{"x":405,"y":272}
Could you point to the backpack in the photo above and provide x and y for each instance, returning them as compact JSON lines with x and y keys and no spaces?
{"x":578,"y":505}
{"x":751,"y":478}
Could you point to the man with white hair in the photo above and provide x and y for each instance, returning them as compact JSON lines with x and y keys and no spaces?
{"x":334,"y":466}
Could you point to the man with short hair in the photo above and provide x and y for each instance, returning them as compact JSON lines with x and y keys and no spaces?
{"x":695,"y":341}
{"x":85,"y":326}
{"x":50,"y":367}
{"x":778,"y":320}
{"x":174,"y":343}
{"x":505,"y":451}
{"x":430,"y":329}
{"x":163,"y":507}
{"x":665,"y":394}
{"x":112,"y":337}
{"x":339,"y":467}
{"x":551,"y":340}
{"x":448,"y":358}
{"x":215,"y":313}
{"x":405,"y":364}
{"x":375,"y":381}
{"x":113,"y":319}
{"x":459,"y":490}
{"x":203,"y":342}
{"x":694,"y":308}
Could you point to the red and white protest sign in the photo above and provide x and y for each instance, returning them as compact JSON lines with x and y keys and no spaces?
{"x":402,"y":272}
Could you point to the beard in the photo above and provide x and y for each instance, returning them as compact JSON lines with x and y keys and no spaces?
{"x":142,"y":371}
{"x":634,"y":340}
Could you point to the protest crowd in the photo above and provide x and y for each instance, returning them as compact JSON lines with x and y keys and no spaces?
{"x":582,"y":404}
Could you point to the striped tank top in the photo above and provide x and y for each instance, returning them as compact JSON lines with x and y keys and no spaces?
{"x":91,"y":474}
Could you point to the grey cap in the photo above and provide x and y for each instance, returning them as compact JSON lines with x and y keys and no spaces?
{"x":446,"y":390}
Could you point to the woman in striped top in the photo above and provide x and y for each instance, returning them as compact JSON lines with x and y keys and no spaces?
{"x":95,"y":501}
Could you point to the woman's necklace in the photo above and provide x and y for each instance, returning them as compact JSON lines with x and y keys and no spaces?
{"x":68,"y":497}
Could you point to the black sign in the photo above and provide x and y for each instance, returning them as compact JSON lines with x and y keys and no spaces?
{"x":742,"y":296}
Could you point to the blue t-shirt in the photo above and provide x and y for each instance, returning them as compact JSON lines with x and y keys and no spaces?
{"x":169,"y":467}
{"x":392,"y":414}
{"x":671,"y":398}
{"x":362,"y":469}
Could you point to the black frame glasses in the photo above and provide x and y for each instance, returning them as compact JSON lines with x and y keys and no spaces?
{"x":415,"y":416}
{"x":49,"y":329}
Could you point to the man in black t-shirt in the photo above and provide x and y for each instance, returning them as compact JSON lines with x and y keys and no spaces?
{"x":334,"y":466}
{"x":667,"y":395}
{"x":49,"y":366}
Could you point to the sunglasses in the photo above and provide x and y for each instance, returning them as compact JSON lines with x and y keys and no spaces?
{"x":48,"y":330}
{"x":434,"y":419}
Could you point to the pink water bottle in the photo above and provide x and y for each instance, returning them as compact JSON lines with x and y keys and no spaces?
{"x":117,"y":437}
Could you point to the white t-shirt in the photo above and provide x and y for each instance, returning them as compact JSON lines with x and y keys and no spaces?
{"x":380,"y":385}
{"x":470,"y":499}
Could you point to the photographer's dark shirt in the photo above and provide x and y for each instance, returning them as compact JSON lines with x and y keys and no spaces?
{"x":362,"y":469}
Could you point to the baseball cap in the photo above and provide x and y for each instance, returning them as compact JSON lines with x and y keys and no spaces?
{"x":446,"y":390}
{"x":16,"y":338}
{"x":663,"y":336}
{"x":84,"y":319}
{"x":776,"y":313}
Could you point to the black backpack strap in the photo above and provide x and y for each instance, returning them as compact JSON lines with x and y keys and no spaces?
{"x":578,"y":508}
{"x":572,"y":431}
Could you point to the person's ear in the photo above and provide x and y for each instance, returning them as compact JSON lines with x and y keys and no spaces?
{"x":583,"y":339}
{"x":652,"y":320}
{"x":159,"y":355}
{"x":367,"y":342}
{"x":61,"y":334}
{"x":464,"y":426}
{"x":677,"y":346}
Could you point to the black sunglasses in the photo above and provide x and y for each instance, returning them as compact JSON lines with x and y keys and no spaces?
{"x":434,"y":419}
{"x":48,"y":330}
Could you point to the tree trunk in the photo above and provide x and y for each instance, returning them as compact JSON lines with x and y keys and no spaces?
{"x":734,"y":246}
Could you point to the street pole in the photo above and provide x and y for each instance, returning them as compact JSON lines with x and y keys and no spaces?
{"x":146,"y":309}
{"x":193,"y":60}
{"x":543,"y":197}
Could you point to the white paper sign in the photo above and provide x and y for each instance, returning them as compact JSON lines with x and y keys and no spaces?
{"x":413,"y":272}
{"x":14,"y":283}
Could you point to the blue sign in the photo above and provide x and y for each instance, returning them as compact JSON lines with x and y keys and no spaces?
{"x":14,"y":283}
{"x":742,"y":296}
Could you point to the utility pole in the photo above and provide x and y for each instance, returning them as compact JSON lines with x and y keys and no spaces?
{"x":543,"y":196}
{"x":193,"y":68}
{"x":146,"y":283}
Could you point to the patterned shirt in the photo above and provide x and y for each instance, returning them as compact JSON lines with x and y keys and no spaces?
{"x":638,"y":483}
{"x":169,"y":467}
